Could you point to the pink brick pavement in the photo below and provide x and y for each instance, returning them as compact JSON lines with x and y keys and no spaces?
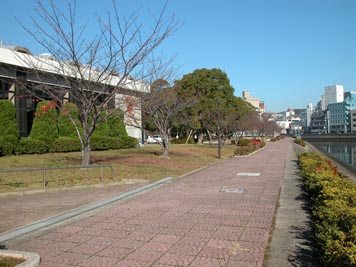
{"x":187,"y":222}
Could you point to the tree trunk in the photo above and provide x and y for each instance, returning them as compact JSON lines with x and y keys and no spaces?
{"x":209,"y":135}
{"x":86,"y":152}
{"x":189,"y":135}
{"x":200,"y":139}
{"x":165,"y":146}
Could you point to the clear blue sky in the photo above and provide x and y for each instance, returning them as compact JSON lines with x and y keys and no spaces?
{"x":283,"y":51}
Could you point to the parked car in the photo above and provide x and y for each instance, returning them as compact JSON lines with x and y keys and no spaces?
{"x":154,"y":139}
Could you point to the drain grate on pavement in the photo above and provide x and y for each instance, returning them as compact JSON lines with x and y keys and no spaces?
{"x":233,"y":190}
{"x":249,"y":174}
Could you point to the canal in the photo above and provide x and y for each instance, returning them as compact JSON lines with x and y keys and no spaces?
{"x":344,"y":152}
{"x":340,"y":147}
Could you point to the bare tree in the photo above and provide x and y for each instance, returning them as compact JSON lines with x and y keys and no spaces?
{"x":166,"y":109}
{"x":247,"y":122}
{"x":267,"y":125}
{"x":95,"y":71}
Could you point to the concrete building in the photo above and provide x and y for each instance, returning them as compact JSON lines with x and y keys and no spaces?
{"x":353,"y":120}
{"x":318,"y":120}
{"x":18,"y":79}
{"x":339,"y":118}
{"x":259,"y":105}
{"x":332,"y":94}
{"x":309,"y":112}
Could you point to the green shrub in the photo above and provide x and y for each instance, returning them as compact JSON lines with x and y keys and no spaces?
{"x":101,"y":142}
{"x":65,"y":125}
{"x":127,"y":142}
{"x":113,"y":127}
{"x":31,"y":146}
{"x":105,"y":143}
{"x":65,"y":144}
{"x":8,"y":144}
{"x":44,"y":126}
{"x":183,"y":141}
{"x":116,"y":125}
{"x":243,"y":142}
{"x":333,"y":209}
{"x":299,"y":142}
{"x":8,"y":128}
{"x":243,"y":150}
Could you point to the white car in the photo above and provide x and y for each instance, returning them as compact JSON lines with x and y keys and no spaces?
{"x":154,"y":139}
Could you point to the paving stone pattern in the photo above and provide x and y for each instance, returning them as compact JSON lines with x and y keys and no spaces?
{"x":187,"y":222}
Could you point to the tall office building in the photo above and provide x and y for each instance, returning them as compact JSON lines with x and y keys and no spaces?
{"x":333,"y":94}
{"x":309,"y":112}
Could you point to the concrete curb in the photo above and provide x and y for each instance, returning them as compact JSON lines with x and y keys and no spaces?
{"x":68,"y":215}
{"x":30,"y":259}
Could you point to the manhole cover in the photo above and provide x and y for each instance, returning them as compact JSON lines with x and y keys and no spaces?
{"x":248,"y":174}
{"x":233,"y":190}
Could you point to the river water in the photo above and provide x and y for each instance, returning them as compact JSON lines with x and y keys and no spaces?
{"x":345,"y":152}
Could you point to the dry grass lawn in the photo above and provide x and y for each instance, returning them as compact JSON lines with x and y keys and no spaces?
{"x":137,"y":163}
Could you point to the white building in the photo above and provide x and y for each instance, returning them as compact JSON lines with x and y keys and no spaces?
{"x":21,"y":73}
{"x":332,"y":94}
{"x":309,"y":112}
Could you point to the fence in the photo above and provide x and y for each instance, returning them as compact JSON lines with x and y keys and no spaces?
{"x":35,"y":178}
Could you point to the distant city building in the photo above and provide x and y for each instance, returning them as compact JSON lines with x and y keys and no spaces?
{"x":289,"y":122}
{"x":353,"y":120}
{"x":309,"y":112}
{"x":339,"y":117}
{"x":317,"y":122}
{"x":332,"y":94}
{"x":259,"y":105}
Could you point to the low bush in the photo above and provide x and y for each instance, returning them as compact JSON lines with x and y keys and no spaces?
{"x":44,"y":126}
{"x":8,"y":144}
{"x":8,"y":128}
{"x":243,"y":142}
{"x":183,"y":141}
{"x":277,"y":138}
{"x":65,"y":144}
{"x":299,"y":142}
{"x":243,"y":150}
{"x":31,"y":146}
{"x":104,"y":143}
{"x":252,"y":145}
{"x":333,"y":201}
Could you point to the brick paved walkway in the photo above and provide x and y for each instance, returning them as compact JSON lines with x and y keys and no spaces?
{"x":219,"y":216}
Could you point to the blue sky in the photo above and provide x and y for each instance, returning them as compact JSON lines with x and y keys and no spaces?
{"x":283,"y":51}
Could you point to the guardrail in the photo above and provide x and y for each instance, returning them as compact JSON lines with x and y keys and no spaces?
{"x":55,"y":176}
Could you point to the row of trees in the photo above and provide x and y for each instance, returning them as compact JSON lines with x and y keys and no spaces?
{"x":201,"y":103}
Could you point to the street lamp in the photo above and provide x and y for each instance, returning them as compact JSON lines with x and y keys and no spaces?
{"x":219,"y":130}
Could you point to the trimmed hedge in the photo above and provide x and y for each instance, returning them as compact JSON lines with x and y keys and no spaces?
{"x":183,"y":141}
{"x":44,"y":126}
{"x":65,"y":144}
{"x":299,"y":142}
{"x":243,"y":142}
{"x":251,"y":146}
{"x":8,"y":128}
{"x":105,"y":143}
{"x":53,"y":131}
{"x":333,"y":208}
{"x":65,"y":125}
{"x":31,"y":146}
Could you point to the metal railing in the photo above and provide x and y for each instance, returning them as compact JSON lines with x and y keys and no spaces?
{"x":16,"y":183}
